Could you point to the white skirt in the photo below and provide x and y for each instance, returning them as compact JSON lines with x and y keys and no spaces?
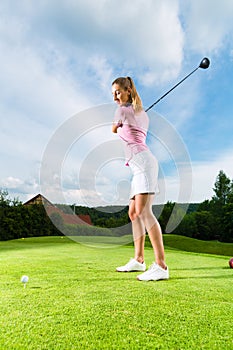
{"x":144,"y":167}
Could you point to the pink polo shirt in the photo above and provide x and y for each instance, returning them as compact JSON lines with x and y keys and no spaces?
{"x":132,"y":129}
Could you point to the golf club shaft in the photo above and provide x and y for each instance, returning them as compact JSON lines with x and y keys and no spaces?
{"x":171,"y":90}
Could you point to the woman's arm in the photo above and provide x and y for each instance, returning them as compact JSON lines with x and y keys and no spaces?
{"x":116,"y":126}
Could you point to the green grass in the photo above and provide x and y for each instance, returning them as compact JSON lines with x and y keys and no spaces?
{"x":198,"y":246}
{"x":75,"y":300}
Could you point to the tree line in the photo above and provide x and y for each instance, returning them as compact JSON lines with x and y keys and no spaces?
{"x":19,"y":221}
{"x":209,"y":220}
{"x":213,"y":218}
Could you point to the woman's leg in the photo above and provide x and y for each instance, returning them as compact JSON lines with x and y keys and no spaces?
{"x":143,"y":211}
{"x":136,"y":264}
{"x":139,"y":233}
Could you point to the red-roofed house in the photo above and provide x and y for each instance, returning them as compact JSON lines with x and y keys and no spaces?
{"x":72,"y":219}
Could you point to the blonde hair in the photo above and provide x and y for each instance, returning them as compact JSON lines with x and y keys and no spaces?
{"x":127,"y":83}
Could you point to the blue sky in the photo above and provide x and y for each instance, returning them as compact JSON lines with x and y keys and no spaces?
{"x":58,"y":60}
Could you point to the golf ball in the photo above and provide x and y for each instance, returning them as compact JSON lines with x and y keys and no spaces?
{"x":24,"y":279}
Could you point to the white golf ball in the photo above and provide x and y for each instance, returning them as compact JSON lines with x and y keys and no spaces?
{"x":24,"y":279}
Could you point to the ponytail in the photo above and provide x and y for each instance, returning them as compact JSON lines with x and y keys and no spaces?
{"x":136,"y":100}
{"x":126,"y":83}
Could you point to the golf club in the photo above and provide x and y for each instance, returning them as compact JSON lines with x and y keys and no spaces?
{"x":205,"y":62}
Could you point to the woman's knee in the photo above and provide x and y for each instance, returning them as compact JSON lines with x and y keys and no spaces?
{"x":135,"y":214}
{"x":139,"y":208}
{"x":132,"y":215}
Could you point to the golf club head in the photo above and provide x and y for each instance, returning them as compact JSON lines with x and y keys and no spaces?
{"x":205,"y":62}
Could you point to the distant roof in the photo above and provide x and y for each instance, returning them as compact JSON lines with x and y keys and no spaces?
{"x":38,"y":199}
{"x":51,"y":208}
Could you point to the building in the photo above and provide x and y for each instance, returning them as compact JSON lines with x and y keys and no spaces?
{"x":71,"y":219}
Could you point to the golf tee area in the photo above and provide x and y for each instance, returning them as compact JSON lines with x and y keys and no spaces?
{"x":75,"y":299}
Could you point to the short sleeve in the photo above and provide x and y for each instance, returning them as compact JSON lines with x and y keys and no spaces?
{"x":119,"y":116}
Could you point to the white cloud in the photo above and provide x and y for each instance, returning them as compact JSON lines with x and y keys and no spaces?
{"x":208,"y":24}
{"x":102,"y":71}
{"x":146,"y":38}
{"x":23,"y":189}
{"x":60,"y":59}
{"x":199,"y":183}
{"x":31,"y":89}
{"x":103,"y":190}
{"x":11,"y":183}
{"x":205,"y":174}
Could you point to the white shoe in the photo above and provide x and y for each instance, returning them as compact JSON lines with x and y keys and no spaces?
{"x":132,"y":265}
{"x":154,"y":273}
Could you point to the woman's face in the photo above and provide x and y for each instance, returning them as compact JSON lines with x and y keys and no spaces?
{"x":120,"y":95}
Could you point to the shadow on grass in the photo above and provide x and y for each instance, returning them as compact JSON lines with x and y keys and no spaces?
{"x":200,"y":277}
{"x":207,"y":276}
{"x":202,"y":268}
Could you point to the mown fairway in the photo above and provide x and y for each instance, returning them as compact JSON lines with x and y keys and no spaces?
{"x":75,"y":300}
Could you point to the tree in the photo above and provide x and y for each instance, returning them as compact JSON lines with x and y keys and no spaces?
{"x":220,"y":209}
{"x":165,"y":215}
{"x":5,"y":201}
{"x":230,"y":195}
{"x":188,"y":226}
{"x":204,"y":206}
{"x":227,"y":224}
{"x":222,"y":188}
{"x":206,"y":228}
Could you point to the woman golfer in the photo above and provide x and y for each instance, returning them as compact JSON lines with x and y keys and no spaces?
{"x":131,"y":123}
